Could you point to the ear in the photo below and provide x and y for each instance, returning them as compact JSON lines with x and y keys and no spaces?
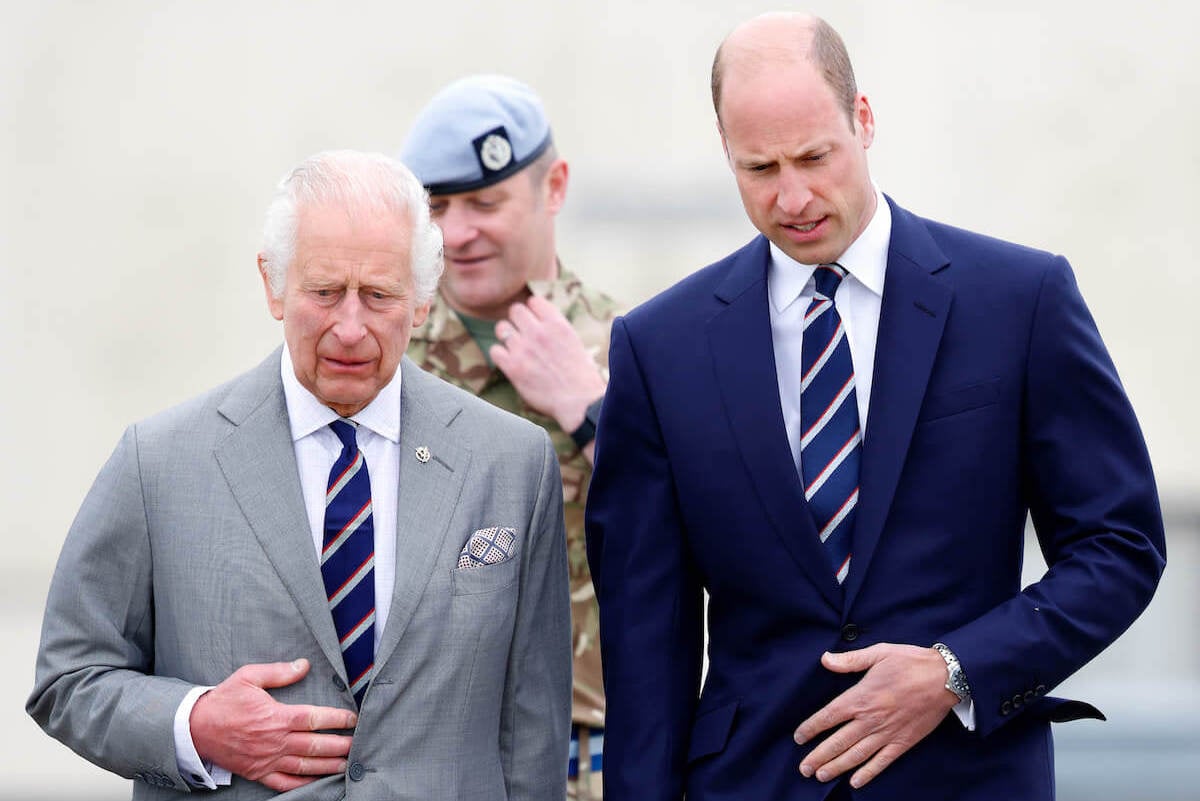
{"x":420,"y":314}
{"x":274,"y":304}
{"x":556,"y":186}
{"x":864,"y":121}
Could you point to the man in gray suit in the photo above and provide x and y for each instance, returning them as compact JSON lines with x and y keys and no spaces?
{"x":213,"y":622}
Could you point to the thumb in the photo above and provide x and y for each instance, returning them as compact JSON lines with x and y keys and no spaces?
{"x":273,"y":674}
{"x":852,"y":661}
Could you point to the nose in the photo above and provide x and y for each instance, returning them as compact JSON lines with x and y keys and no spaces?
{"x":458,"y":226}
{"x":793,"y":193}
{"x":349,"y":321}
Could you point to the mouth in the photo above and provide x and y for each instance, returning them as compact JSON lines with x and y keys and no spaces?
{"x":346,"y":365}
{"x":804,"y":228}
{"x":801,"y":232}
{"x":467,"y":261}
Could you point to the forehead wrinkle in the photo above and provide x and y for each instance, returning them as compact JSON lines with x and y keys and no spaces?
{"x":353,"y":267}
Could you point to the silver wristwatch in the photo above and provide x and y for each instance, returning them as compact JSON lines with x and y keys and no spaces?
{"x":956,"y":679}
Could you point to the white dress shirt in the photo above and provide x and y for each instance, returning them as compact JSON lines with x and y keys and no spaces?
{"x":317,"y":448}
{"x":859,"y":298}
{"x":791,"y":287}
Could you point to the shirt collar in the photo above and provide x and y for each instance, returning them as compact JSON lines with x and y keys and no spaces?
{"x":306,"y":414}
{"x":865,"y":260}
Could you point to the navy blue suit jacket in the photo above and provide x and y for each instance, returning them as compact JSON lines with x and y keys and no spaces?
{"x":993,"y":396}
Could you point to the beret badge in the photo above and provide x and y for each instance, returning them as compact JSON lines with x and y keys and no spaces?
{"x":493,"y":150}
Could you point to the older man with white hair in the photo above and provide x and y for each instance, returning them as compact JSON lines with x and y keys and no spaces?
{"x":334,"y":576}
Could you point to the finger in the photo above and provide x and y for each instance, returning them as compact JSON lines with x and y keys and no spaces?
{"x":317,"y":745}
{"x":853,"y":661}
{"x":827,"y":717}
{"x":550,"y":315}
{"x":310,"y":766}
{"x":883,"y":758}
{"x":305,"y":718}
{"x":500,"y":356}
{"x":505,"y":331}
{"x":273,"y":674}
{"x":522,"y":317}
{"x":282,"y":782}
{"x":834,"y":746}
{"x":542,"y":308}
{"x":853,"y":756}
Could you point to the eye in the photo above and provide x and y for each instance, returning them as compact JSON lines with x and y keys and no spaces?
{"x":437,"y":207}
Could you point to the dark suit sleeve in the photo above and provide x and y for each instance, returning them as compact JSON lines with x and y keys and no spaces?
{"x":650,"y":596}
{"x":1091,"y":493}
{"x":536,"y":709}
{"x":92,"y":689}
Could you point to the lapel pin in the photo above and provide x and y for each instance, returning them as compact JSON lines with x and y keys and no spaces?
{"x":423,"y":454}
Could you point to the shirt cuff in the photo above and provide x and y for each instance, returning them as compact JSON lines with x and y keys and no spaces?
{"x":195,"y":771}
{"x":965,"y":711}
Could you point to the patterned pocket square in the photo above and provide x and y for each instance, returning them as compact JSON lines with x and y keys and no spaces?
{"x":487,"y":546}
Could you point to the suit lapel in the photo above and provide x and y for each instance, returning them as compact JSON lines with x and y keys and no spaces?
{"x":744,"y":359}
{"x":427,"y":493}
{"x":913,"y":315}
{"x":259,"y":462}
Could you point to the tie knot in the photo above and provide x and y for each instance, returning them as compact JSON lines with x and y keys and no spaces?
{"x":828,"y":277}
{"x":345,"y":432}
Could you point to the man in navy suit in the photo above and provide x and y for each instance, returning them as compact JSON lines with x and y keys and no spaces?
{"x":837,"y":432}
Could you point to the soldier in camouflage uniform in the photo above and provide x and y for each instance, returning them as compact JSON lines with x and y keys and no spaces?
{"x":513,"y":327}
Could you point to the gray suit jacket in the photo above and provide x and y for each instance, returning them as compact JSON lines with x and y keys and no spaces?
{"x":192,"y":556}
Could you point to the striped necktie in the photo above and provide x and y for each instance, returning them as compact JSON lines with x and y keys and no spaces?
{"x":348,"y":559}
{"x":831,"y":445}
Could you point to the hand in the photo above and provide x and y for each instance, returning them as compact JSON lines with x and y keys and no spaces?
{"x":546,"y":362}
{"x":240,"y":727}
{"x":901,"y":699}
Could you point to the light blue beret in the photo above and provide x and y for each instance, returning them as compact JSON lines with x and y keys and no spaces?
{"x":476,"y":132}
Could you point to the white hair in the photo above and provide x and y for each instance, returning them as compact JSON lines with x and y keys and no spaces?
{"x":368,"y":183}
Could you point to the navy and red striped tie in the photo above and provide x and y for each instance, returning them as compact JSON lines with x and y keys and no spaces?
{"x":831,"y":445}
{"x":348,"y":559}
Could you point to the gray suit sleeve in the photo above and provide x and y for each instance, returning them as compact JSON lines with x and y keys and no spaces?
{"x":94,"y":689}
{"x":535,"y":719}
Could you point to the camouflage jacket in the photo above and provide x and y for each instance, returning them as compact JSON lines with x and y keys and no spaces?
{"x":443,"y":347}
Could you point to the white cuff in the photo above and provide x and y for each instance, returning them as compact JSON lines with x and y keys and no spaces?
{"x":965,"y":710}
{"x":194,"y":770}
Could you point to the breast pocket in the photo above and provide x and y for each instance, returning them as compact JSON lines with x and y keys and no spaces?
{"x":947,"y":403}
{"x":483,"y":608}
{"x":487,"y":579}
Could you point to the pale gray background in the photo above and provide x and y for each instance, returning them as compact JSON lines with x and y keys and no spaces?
{"x":140,"y":142}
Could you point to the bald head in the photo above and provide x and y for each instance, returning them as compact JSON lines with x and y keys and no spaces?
{"x":785,"y":38}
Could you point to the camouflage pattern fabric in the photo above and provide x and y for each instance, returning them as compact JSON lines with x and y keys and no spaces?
{"x":443,"y":347}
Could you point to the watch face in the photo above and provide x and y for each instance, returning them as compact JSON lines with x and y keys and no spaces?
{"x":956,"y":680}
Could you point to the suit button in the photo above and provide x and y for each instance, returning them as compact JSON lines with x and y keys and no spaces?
{"x":1006,"y":708}
{"x":850,"y":632}
{"x":1039,"y":690}
{"x":337,"y":682}
{"x":1018,"y":701}
{"x":357,"y":771}
{"x":1029,"y":696}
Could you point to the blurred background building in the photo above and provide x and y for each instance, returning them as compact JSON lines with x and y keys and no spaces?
{"x":140,"y":142}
